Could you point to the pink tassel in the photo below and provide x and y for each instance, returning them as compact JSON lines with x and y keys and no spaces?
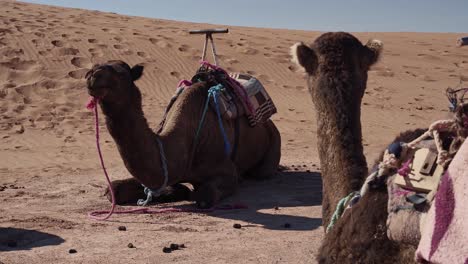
{"x":91,"y":103}
{"x":405,"y":169}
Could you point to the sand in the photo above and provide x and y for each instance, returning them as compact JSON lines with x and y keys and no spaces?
{"x":50,"y":175}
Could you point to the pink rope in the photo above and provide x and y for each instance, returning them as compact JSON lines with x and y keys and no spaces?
{"x":401,"y":192}
{"x":184,"y":82}
{"x":92,"y":105}
{"x":239,"y":89}
{"x":405,"y":168}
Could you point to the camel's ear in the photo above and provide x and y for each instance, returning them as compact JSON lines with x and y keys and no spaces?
{"x":373,"y":49}
{"x":137,"y":71}
{"x":305,"y":57}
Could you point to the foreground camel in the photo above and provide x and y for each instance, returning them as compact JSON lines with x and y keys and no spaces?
{"x":337,"y":66}
{"x":201,"y":162}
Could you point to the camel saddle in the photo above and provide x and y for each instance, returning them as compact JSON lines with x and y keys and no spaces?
{"x":425,"y":173}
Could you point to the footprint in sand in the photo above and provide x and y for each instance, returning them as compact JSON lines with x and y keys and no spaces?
{"x":292,"y":68}
{"x":118,"y":39}
{"x":160,"y":43}
{"x":58,"y":43}
{"x":183,"y":48}
{"x":142,"y":54}
{"x":118,"y":46}
{"x":93,"y":41}
{"x":39,"y":34}
{"x":68,"y":51}
{"x":96,"y":52}
{"x":78,"y":74}
{"x":81,"y":62}
{"x":175,"y":74}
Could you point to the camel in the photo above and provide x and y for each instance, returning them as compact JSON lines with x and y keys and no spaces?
{"x":202,"y":162}
{"x":337,"y":65}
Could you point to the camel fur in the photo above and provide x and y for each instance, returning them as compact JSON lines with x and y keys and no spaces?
{"x":203,"y":163}
{"x":337,"y":65}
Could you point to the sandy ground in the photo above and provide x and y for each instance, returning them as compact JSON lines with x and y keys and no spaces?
{"x":50,"y":175}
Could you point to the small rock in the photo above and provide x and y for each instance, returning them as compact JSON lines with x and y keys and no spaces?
{"x":305,"y":166}
{"x":174,"y":246}
{"x":308,"y":171}
{"x":296,"y":169}
{"x":238,"y":226}
{"x":287,"y":225}
{"x":167,"y":250}
{"x":130,"y":245}
{"x":276,"y":208}
{"x":12,"y":244}
{"x":122,"y":228}
{"x":72,"y":251}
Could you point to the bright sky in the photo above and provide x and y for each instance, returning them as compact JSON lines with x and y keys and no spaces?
{"x":325,"y":15}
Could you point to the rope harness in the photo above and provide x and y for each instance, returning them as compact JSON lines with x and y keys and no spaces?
{"x":213,"y":92}
{"x":92,"y":105}
{"x":150,"y":193}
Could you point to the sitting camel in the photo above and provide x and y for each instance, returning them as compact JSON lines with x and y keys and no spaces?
{"x":173,"y":150}
{"x":337,"y":66}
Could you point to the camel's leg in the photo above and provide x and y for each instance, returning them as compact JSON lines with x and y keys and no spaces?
{"x":128,"y":191}
{"x":219,"y":183}
{"x":125,"y":191}
{"x":268,"y":166}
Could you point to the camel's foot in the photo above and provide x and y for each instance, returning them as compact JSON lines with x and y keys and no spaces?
{"x":206,"y":196}
{"x":129,"y":191}
{"x":125,"y":191}
{"x":175,"y":193}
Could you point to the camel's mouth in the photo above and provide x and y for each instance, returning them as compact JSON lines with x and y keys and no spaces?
{"x":98,"y":92}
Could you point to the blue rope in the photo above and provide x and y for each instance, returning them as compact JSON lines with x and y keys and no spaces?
{"x":213,"y":92}
{"x":150,"y":193}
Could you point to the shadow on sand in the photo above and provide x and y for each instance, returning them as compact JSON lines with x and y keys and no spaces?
{"x":285,"y":190}
{"x":16,"y":239}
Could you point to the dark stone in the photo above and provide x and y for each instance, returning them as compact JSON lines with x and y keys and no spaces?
{"x":122,"y":228}
{"x":72,"y":251}
{"x":130,"y":245}
{"x":174,"y":246}
{"x":167,"y":250}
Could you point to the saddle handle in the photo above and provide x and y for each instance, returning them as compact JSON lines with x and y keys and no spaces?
{"x":210,"y":31}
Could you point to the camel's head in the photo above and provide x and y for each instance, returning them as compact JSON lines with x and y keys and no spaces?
{"x":337,"y":55}
{"x":112,"y":80}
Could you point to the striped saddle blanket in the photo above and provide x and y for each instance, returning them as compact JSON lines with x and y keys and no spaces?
{"x":262,"y":107}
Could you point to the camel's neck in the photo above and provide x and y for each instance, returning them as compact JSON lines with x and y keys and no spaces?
{"x":340,"y":148}
{"x":137,"y":143}
{"x":341,"y":153}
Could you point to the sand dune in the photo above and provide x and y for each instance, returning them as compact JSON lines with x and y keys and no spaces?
{"x":49,"y":172}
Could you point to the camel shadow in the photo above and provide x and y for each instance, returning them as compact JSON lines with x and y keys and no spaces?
{"x":268,"y":201}
{"x":16,"y":239}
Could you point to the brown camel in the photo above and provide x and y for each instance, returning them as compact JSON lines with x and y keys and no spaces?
{"x":337,"y":66}
{"x":203,"y":162}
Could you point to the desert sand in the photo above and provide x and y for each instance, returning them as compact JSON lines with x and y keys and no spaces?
{"x":50,"y":176}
